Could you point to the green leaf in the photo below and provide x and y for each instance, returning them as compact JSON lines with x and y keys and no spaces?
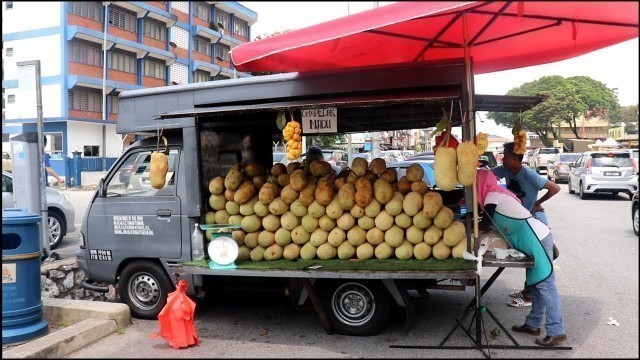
{"x":440,"y":126}
{"x":281,"y":120}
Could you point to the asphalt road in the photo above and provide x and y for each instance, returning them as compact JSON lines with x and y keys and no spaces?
{"x":597,"y":276}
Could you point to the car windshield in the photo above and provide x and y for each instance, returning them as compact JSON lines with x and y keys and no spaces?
{"x":612,"y":160}
{"x":277,"y":157}
{"x":549,"y":151}
{"x":568,"y":157}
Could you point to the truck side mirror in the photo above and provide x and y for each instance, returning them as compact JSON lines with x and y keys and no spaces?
{"x":101,"y":188}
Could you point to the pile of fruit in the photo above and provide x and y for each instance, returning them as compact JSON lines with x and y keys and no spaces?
{"x":291,"y":134}
{"x":306,"y":211}
{"x":519,"y":139}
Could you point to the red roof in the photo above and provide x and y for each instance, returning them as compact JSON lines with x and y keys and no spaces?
{"x":502,"y":35}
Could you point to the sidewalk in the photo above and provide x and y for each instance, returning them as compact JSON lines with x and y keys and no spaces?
{"x":73,"y":324}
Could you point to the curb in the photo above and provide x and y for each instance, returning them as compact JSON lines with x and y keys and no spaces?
{"x":64,"y":341}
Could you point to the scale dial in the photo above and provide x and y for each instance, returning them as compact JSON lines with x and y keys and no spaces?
{"x":223,"y":250}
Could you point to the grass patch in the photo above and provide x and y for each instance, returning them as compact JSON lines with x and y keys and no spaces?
{"x":337,"y":264}
{"x":120,"y":330}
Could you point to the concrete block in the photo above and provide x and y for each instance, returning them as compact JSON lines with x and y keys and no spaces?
{"x":63,"y":341}
{"x":73,"y":311}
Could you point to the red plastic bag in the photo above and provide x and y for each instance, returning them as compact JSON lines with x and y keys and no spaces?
{"x":176,"y":319}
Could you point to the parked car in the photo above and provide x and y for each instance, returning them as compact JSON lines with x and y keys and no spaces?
{"x":635,"y":212}
{"x":426,"y":155}
{"x":279,"y":157}
{"x":6,"y":162}
{"x":540,"y":157}
{"x":487,"y":159}
{"x":61,"y":213}
{"x":603,"y":172}
{"x":526,"y":156}
{"x":558,"y":167}
{"x":366,"y":156}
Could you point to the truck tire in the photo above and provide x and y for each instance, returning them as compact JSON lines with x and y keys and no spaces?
{"x":356,"y":308}
{"x":144,"y":286}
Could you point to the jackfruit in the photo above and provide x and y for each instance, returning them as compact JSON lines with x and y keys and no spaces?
{"x":467,"y":157}
{"x":445,"y":168}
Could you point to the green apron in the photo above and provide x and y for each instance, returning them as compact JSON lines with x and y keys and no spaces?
{"x":522,"y":237}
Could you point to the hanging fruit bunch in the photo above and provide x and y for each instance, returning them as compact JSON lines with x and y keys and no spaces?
{"x":445,"y":163}
{"x":519,"y":138}
{"x":482,"y":142}
{"x":159,"y":165}
{"x":291,"y":134}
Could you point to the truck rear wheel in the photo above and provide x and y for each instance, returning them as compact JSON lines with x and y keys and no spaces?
{"x":144,"y":286}
{"x":358,"y":308}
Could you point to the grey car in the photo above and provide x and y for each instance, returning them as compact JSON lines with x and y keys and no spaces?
{"x":558,"y":167}
{"x":60,"y":211}
{"x":609,"y":172}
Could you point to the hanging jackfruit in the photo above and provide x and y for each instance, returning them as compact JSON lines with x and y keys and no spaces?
{"x":159,"y":166}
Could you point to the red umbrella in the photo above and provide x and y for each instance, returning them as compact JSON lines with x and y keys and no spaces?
{"x":500,"y":35}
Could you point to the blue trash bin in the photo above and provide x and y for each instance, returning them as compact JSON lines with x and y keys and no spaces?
{"x":21,"y":303}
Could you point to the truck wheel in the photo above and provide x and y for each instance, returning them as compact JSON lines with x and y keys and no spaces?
{"x":144,"y":286}
{"x":357,"y":308}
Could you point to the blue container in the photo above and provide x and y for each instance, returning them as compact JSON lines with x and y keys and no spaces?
{"x":21,"y":302}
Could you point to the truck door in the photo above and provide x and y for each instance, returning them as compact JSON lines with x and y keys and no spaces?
{"x":134,"y":220}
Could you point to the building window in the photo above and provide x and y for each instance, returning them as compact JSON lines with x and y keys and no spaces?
{"x":54,"y":145}
{"x":241,"y":27}
{"x":155,"y":69}
{"x":222,"y":52}
{"x":91,"y":150}
{"x":155,"y":29}
{"x":85,"y":100}
{"x":8,"y":5}
{"x":222,"y":17}
{"x":114,"y":104}
{"x":87,"y":9}
{"x":179,"y":73}
{"x":180,"y":37}
{"x":85,"y":54}
{"x":123,"y":19}
{"x":201,"y":76}
{"x":182,"y":6}
{"x":122,"y":62}
{"x":202,"y":11}
{"x":11,"y":99}
{"x":9,"y":52}
{"x":202,"y":45}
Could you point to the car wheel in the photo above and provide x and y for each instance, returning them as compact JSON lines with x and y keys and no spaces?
{"x":144,"y":286}
{"x":636,"y":219}
{"x":582,"y":194}
{"x":57,"y":228}
{"x":569,"y":186}
{"x":356,"y":308}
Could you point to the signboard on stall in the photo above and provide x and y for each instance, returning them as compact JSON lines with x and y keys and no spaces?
{"x":320,"y":120}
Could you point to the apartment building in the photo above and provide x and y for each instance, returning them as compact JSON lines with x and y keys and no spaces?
{"x":147,"y":43}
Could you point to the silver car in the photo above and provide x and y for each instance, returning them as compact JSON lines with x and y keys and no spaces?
{"x":558,"y":167}
{"x":609,"y":172}
{"x":61,"y":213}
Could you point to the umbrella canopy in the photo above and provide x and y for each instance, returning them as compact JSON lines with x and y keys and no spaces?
{"x":500,"y":35}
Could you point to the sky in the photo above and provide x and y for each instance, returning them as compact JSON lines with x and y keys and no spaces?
{"x":616,"y":66}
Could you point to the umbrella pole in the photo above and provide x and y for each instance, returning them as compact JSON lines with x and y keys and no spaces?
{"x":470,"y":119}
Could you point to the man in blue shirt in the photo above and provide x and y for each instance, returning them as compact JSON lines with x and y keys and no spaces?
{"x":48,"y":169}
{"x":525,"y":183}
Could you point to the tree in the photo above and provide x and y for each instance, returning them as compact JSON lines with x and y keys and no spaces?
{"x":568,"y":100}
{"x":324,"y":141}
{"x":627,"y":115}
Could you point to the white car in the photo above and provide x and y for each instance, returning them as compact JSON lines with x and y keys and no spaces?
{"x":61,"y":213}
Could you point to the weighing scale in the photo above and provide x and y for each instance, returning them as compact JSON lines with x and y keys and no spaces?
{"x":222,"y":249}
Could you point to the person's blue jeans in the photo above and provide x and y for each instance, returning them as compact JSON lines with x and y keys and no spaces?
{"x":545,"y":300}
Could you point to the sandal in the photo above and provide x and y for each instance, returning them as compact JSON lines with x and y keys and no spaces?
{"x":517,"y":294}
{"x":519,"y":302}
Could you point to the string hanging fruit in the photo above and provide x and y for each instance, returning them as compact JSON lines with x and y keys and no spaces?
{"x":292,"y":135}
{"x":519,"y":137}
